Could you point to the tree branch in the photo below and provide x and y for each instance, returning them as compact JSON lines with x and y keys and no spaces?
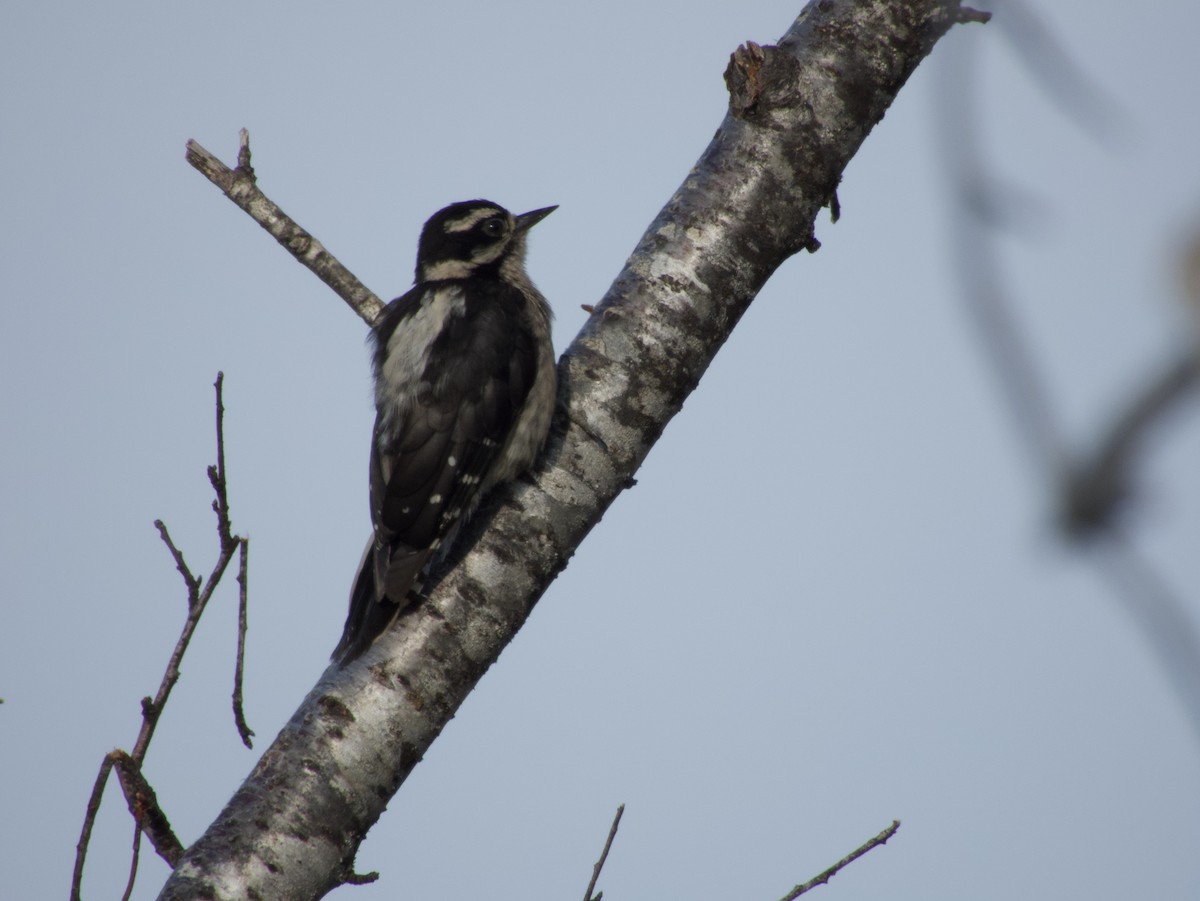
{"x":239,"y":186}
{"x":143,"y":805}
{"x":292,"y":829}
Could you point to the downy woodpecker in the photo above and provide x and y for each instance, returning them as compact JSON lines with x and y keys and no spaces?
{"x":464,"y":392}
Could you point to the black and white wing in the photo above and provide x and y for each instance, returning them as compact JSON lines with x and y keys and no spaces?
{"x":454,"y":367}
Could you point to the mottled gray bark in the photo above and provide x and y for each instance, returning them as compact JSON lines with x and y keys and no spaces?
{"x":798,"y":113}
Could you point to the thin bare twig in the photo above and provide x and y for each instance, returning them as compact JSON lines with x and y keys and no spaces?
{"x":143,"y":804}
{"x":192,"y":582}
{"x":854,"y":855}
{"x":134,"y":860}
{"x":239,"y":714}
{"x":216,"y":474}
{"x":612,"y":833}
{"x":89,"y":821}
{"x":240,"y":187}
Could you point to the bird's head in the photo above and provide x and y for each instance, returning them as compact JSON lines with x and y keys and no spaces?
{"x":467,"y":238}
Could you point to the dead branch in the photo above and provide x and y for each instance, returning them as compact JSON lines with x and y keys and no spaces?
{"x":140,"y":797}
{"x":239,"y":186}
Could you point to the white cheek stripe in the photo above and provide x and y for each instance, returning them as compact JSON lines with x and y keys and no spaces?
{"x":447,"y":269}
{"x":489,"y":254}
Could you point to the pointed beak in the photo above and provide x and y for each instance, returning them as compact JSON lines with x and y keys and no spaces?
{"x":528,"y":220}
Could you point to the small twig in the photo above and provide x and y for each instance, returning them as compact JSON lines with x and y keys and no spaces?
{"x":134,"y":859}
{"x":216,"y":474}
{"x":612,"y":833}
{"x":965,"y":15}
{"x":854,"y":855}
{"x":239,"y":714}
{"x":239,"y":186}
{"x":89,"y":821}
{"x":192,"y":583}
{"x":352,"y":878}
{"x":152,"y":710}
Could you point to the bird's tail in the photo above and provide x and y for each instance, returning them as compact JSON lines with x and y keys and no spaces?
{"x":372,"y":608}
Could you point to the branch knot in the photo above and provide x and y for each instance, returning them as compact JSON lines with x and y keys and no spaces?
{"x":742,"y":77}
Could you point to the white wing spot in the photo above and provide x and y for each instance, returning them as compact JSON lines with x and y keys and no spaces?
{"x":435,"y":499}
{"x":451,"y":461}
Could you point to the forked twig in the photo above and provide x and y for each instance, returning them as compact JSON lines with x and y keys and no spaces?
{"x":152,"y":709}
{"x":134,"y":859}
{"x":143,"y":804}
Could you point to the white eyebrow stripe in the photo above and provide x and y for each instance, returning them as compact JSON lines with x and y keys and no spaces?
{"x":469,"y":221}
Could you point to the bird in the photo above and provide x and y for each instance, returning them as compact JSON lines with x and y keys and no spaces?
{"x":465,"y":388}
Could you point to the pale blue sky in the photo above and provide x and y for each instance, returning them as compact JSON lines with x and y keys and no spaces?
{"x":834,"y":597}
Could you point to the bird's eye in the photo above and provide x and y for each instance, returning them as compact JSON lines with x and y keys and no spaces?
{"x":493,"y":228}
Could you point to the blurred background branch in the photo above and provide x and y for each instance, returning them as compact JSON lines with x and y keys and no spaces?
{"x":1093,"y":488}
